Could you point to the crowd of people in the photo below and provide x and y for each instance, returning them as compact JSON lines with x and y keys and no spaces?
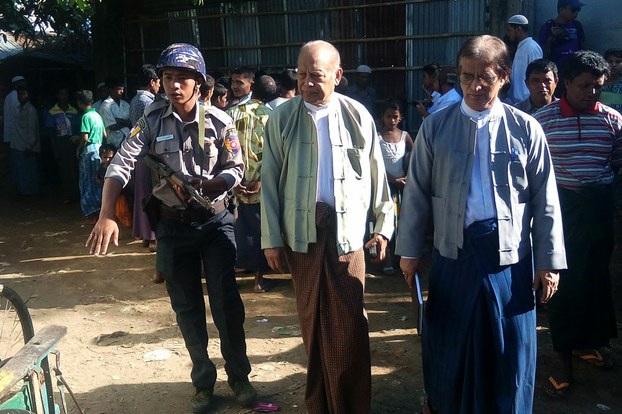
{"x":514,"y":166}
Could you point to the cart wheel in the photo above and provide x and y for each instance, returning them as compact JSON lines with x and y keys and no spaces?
{"x":15,"y":325}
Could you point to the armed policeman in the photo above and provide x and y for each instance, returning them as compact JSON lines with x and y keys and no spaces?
{"x":199,"y":143}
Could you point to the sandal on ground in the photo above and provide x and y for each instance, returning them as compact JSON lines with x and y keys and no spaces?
{"x":555,"y":389}
{"x":594,"y":357}
{"x":263,"y":286}
{"x":157,"y":277}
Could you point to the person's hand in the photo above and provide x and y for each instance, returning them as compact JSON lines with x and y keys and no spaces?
{"x":105,"y":230}
{"x":74,"y":138}
{"x":203,"y":185}
{"x":549,"y":281}
{"x":556,"y":30}
{"x":381,"y":247}
{"x":422,"y":109}
{"x":274,"y":256}
{"x":253,"y":187}
{"x":400,"y":181}
{"x":409,"y":268}
{"x":241,"y":189}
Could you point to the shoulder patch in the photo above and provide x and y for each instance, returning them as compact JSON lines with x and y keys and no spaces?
{"x":232,"y":143}
{"x":140,"y":125}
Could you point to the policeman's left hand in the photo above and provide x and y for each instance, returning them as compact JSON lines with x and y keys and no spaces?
{"x":549,"y":280}
{"x":381,"y":246}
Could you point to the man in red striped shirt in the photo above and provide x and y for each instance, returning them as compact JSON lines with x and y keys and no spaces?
{"x":585,"y":140}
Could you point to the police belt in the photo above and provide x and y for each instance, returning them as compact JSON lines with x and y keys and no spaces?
{"x":192,"y":216}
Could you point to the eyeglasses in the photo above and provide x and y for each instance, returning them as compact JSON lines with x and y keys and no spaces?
{"x":484,"y":80}
{"x":575,"y":9}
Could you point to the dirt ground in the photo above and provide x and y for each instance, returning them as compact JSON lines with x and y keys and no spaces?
{"x":116,"y":316}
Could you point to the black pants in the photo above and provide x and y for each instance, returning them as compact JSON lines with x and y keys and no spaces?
{"x":67,"y":165}
{"x":183,"y":252}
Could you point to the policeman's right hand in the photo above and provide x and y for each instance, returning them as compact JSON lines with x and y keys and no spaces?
{"x":105,"y":230}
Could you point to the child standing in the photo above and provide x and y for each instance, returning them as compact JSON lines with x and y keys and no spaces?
{"x":92,"y":133}
{"x":611,"y":93}
{"x":106,"y":154}
{"x":395,"y":145}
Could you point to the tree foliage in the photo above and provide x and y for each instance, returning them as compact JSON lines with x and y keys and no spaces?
{"x":35,"y":22}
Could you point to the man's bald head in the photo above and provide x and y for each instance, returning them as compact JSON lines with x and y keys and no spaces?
{"x":322,"y":51}
{"x":319,"y":71}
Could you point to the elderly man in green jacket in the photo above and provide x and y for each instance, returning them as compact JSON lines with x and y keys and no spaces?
{"x":322,"y":174}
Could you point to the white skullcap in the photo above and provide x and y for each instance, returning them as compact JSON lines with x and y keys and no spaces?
{"x":363,"y":69}
{"x":518,"y":19}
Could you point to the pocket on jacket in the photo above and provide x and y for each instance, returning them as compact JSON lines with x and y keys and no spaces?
{"x":168,"y":150}
{"x":358,"y":162}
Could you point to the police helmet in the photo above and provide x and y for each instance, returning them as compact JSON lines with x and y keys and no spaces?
{"x":182,"y":55}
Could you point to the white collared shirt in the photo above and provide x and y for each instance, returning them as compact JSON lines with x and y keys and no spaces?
{"x":325,"y":118}
{"x":527,"y":51}
{"x":480,"y":204}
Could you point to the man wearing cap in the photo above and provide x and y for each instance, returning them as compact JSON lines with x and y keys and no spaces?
{"x":200,"y":143}
{"x":10,"y":107}
{"x":445,"y":96}
{"x":564,"y":35}
{"x":361,"y":90}
{"x":102,"y":93}
{"x":527,"y":51}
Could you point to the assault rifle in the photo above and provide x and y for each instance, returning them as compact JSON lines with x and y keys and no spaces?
{"x":174,"y":179}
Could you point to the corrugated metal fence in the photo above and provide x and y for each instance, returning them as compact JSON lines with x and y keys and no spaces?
{"x":395,"y":38}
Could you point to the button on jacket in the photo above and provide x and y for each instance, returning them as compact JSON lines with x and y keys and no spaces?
{"x":289,"y":177}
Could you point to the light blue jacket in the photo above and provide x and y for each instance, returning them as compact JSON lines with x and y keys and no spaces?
{"x":525,"y":193}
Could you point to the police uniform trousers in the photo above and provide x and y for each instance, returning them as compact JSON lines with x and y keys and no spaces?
{"x":329,"y":296}
{"x":184,"y":252}
{"x":479,"y":333}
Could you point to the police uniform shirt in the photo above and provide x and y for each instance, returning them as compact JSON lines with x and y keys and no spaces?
{"x":162,"y":132}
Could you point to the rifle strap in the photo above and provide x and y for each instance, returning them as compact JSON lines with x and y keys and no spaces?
{"x":201,"y":126}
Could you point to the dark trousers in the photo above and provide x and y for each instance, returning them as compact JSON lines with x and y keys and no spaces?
{"x":67,"y":165}
{"x":582,"y":314}
{"x":184,"y":252}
